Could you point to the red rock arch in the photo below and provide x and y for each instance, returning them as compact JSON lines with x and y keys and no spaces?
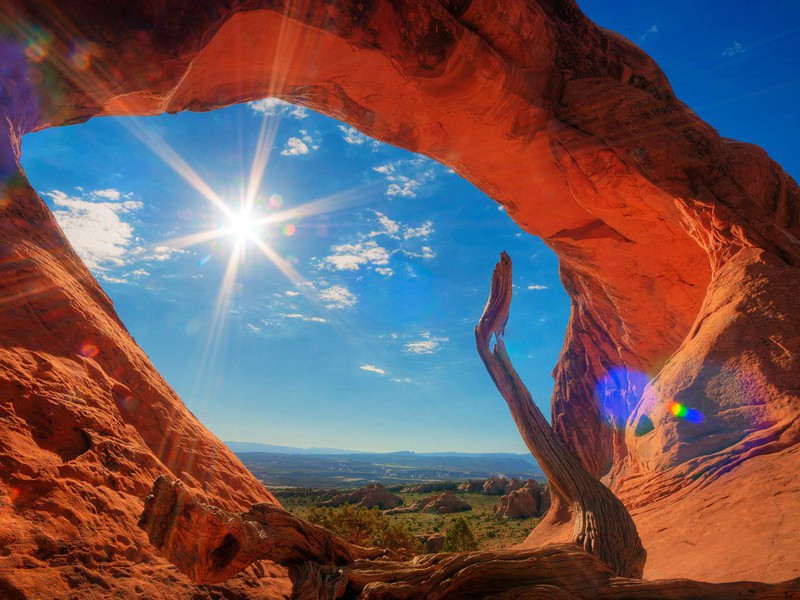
{"x":678,"y":248}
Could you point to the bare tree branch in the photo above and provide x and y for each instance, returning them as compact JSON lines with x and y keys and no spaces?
{"x":602,"y":524}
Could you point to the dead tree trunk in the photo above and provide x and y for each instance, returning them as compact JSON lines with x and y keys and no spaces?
{"x":602,"y":524}
{"x":211,"y":545}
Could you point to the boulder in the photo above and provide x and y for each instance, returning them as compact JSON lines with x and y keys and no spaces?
{"x":432,"y":542}
{"x":522,"y":503}
{"x":444,"y":503}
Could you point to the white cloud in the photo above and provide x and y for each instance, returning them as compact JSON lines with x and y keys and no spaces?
{"x":296,"y":146}
{"x":351,"y":257}
{"x":304,"y":318}
{"x":537,"y":287}
{"x":292,"y":293}
{"x":272,"y":107}
{"x":353,"y":136}
{"x":650,"y":31}
{"x":109,"y":194}
{"x":162,"y":253}
{"x":372,"y":369}
{"x":96,"y":226}
{"x":423,"y":231}
{"x":427,"y":345}
{"x":388,"y":226}
{"x":401,"y":380}
{"x":406,"y":177}
{"x":385,"y":271}
{"x":338,"y":297}
{"x":140,"y":273}
{"x":734,"y":49}
{"x":253,"y":328}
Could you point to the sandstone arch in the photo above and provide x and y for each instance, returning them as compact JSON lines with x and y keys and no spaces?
{"x":679,"y":250}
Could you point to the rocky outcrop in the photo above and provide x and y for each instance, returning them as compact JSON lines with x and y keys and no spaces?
{"x":470,"y":487}
{"x":372,"y":496}
{"x":444,"y":503}
{"x":574,"y":130}
{"x":525,"y":502}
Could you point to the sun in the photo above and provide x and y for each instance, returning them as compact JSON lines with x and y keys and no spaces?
{"x":243,"y":227}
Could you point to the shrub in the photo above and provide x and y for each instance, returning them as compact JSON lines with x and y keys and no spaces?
{"x":366,"y":527}
{"x":459,"y":538}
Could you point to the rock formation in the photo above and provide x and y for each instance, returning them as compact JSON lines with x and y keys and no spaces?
{"x":523,"y":503}
{"x":445,"y":503}
{"x":372,"y":496}
{"x":470,"y":487}
{"x":572,"y":128}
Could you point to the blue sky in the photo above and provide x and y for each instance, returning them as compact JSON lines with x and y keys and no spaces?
{"x":373,"y":349}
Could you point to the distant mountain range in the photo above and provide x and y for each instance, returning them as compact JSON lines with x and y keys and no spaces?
{"x":334,"y":467}
{"x":237,"y":447}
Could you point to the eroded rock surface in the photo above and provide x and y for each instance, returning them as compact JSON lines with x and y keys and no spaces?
{"x":573,"y":129}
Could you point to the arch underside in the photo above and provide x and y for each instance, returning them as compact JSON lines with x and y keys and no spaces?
{"x":679,"y":250}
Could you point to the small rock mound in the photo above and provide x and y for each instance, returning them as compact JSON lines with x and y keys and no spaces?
{"x":372,"y":496}
{"x":444,"y":503}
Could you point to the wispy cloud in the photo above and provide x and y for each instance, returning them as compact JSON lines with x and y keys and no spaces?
{"x":376,"y":248}
{"x":536,"y":287}
{"x":426,"y":345}
{"x":372,"y":369}
{"x":253,"y":328}
{"x":273,"y":107}
{"x":96,"y":224}
{"x":734,"y":49}
{"x":653,"y":29}
{"x":406,"y":177}
{"x":423,"y":231}
{"x":338,"y":297}
{"x":354,"y":137}
{"x":305,"y":318}
{"x":351,"y":257}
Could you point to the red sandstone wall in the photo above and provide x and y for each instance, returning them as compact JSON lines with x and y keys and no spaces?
{"x":678,"y":248}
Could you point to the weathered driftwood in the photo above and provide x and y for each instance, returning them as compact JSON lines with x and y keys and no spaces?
{"x":211,"y":545}
{"x":603,"y":526}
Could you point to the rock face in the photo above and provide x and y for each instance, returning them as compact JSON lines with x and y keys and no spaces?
{"x":372,"y":496}
{"x":470,"y":487}
{"x":497,"y":486}
{"x":525,"y":502}
{"x":573,"y":129}
{"x":444,"y":503}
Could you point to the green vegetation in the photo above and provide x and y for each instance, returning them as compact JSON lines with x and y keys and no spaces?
{"x":489,"y":531}
{"x":366,"y":527}
{"x":459,"y":537}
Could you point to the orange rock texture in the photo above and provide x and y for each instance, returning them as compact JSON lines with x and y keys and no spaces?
{"x":679,"y":249}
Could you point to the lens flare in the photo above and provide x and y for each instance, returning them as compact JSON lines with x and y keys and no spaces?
{"x":681,"y":411}
{"x":289,"y":229}
{"x":88,"y":350}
